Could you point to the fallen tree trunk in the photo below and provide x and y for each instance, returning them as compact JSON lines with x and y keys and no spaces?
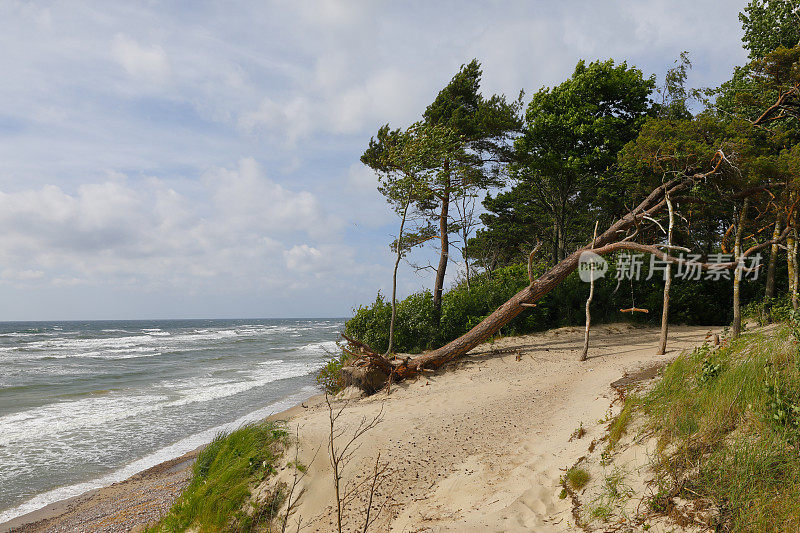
{"x":615,"y":238}
{"x":540,"y":287}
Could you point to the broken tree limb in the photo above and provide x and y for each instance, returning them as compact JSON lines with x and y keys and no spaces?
{"x":368,"y":353}
{"x":552,"y":278}
{"x":530,"y":260}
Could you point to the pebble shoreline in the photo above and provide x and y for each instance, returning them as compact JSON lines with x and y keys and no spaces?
{"x":119,"y":508}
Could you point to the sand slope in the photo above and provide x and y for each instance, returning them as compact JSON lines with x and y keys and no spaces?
{"x":482,"y":447}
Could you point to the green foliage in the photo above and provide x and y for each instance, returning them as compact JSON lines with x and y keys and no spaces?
{"x":728,"y":418}
{"x":463,"y":307}
{"x":674,"y":94}
{"x":782,"y":402}
{"x":709,"y":371}
{"x":620,"y":425}
{"x":222,"y":478}
{"x":782,"y":309}
{"x":329,"y":377}
{"x":442,"y":158}
{"x":577,"y":478}
{"x":769,"y":24}
{"x":570,"y":140}
{"x":484,"y":123}
{"x":414,"y":329}
{"x":614,"y":492}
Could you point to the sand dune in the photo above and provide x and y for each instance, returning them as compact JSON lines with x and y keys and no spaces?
{"x":482,"y":447}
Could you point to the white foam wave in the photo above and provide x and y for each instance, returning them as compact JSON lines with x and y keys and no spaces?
{"x":164,"y":454}
{"x":63,"y":417}
{"x":48,"y":420}
{"x":319,"y":348}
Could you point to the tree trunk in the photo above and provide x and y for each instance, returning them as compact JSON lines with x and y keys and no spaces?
{"x":769,"y":289}
{"x":466,"y":268}
{"x":736,"y":330}
{"x":662,"y":343}
{"x":791,"y":263}
{"x":394,"y":276}
{"x":445,"y":245}
{"x":585,"y":353}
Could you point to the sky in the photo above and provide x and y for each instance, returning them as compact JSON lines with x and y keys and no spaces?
{"x":194,"y":159}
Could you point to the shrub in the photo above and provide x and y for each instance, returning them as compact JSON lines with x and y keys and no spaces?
{"x":329,"y":377}
{"x":577,"y":478}
{"x":729,"y":419}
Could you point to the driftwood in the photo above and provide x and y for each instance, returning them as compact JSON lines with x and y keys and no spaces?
{"x":615,"y":238}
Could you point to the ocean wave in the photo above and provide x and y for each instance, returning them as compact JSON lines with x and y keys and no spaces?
{"x":319,"y":348}
{"x":63,"y":417}
{"x":164,"y":454}
{"x":161,"y":341}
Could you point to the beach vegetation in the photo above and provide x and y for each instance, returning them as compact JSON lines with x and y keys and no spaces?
{"x":577,"y":478}
{"x":727,"y":422}
{"x":579,"y":432}
{"x":606,"y":148}
{"x":612,"y":497}
{"x":219,"y":495}
{"x":619,"y":426}
{"x":329,"y":377}
{"x":446,"y":156}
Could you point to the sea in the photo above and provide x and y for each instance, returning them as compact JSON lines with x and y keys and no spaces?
{"x":86,"y":404}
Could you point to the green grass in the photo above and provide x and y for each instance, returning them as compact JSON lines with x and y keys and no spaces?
{"x":222,"y":478}
{"x":613,"y":494}
{"x":729,"y":420}
{"x":577,"y":478}
{"x":620,"y":424}
{"x":602,"y":512}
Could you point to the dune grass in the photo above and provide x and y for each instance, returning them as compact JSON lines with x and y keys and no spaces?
{"x":218,"y":496}
{"x":727,"y":424}
{"x":577,"y":478}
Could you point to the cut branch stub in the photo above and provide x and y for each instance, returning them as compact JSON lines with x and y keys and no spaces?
{"x":530,"y":260}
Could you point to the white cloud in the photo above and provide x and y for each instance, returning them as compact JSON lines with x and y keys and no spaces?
{"x":249,"y":201}
{"x":146,"y":62}
{"x":180,"y":92}
{"x":21,"y":275}
{"x":361,"y":178}
{"x":304,"y":258}
{"x":117,"y":231}
{"x":290,"y":120}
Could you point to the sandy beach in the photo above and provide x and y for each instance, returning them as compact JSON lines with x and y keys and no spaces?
{"x":479,"y":446}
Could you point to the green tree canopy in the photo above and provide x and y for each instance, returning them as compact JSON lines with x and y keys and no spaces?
{"x":571,"y":138}
{"x":769,"y":24}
